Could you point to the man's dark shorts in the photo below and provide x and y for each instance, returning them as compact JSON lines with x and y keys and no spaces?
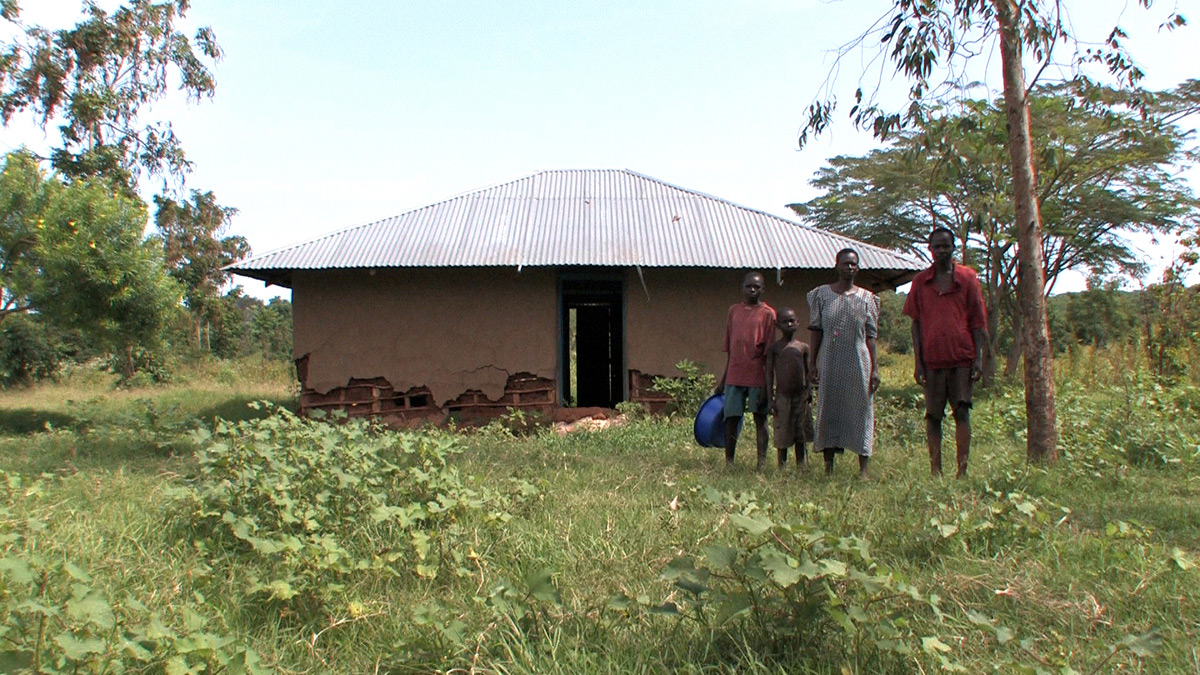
{"x":947,"y":385}
{"x":740,"y":399}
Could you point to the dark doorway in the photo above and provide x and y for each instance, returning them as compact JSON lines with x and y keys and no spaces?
{"x":593,"y":355}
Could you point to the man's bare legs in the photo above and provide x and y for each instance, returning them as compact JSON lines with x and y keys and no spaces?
{"x":962,"y":437}
{"x":933,"y":436}
{"x":760,"y":431}
{"x":962,"y":441}
{"x":731,"y":438}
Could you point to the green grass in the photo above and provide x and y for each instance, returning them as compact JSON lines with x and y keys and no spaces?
{"x":1072,"y":558}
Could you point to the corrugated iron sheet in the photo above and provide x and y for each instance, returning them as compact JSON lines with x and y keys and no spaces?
{"x":577,"y":217}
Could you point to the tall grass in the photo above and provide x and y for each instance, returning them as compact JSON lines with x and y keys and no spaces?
{"x":1088,"y":565}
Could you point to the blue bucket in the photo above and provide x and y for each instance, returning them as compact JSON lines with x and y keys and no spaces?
{"x":709,"y":428}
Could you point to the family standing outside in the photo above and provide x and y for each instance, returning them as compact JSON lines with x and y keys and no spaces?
{"x":949,"y":324}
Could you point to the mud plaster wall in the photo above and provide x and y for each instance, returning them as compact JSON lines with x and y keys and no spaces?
{"x":685,"y":314}
{"x":448,"y":329}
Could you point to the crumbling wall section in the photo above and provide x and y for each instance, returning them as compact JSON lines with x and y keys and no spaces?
{"x":412,"y":344}
{"x":435,"y":332}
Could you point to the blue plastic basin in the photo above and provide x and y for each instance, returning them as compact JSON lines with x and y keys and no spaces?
{"x":709,"y":428}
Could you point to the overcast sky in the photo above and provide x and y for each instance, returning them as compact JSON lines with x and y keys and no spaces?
{"x":331,"y":115}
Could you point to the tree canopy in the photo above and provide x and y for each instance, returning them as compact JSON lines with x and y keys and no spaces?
{"x":75,"y":253}
{"x":196,"y":251}
{"x":930,"y":44}
{"x":71,"y":240}
{"x":1108,"y":169}
{"x":95,"y":81}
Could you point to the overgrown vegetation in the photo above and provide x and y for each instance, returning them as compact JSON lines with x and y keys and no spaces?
{"x":689,"y":391}
{"x":297,"y":510}
{"x":139,"y":532}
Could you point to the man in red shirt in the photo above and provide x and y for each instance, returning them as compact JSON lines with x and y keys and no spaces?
{"x":749,"y":332}
{"x":949,"y":327}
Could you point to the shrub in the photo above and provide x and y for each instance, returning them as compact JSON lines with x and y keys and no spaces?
{"x":304,"y":505}
{"x":29,"y":351}
{"x":792,"y":587}
{"x":689,"y":391}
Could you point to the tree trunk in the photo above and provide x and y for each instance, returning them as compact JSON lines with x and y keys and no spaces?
{"x":1042,"y":434}
{"x":128,"y":368}
{"x":1013,"y":357}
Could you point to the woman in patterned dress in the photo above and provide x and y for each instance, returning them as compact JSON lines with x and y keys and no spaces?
{"x":844,"y":320}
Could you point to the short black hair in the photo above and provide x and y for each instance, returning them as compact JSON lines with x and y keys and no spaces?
{"x":843,"y":252}
{"x":942,"y":228}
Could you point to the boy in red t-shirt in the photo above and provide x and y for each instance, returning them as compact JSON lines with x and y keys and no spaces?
{"x":749,"y":331}
{"x":949,"y":327}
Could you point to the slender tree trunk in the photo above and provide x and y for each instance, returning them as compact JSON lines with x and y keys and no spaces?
{"x":129,"y":368}
{"x":1042,"y":434}
{"x":1013,"y":357}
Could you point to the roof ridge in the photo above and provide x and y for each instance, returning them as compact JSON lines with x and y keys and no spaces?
{"x":775,"y":248}
{"x":457,"y":195}
{"x":795,"y":223}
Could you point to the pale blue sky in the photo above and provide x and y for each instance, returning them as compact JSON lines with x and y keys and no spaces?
{"x":330,"y":115}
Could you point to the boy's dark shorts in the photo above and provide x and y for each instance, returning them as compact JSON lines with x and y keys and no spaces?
{"x":739,"y":400}
{"x":947,"y":385}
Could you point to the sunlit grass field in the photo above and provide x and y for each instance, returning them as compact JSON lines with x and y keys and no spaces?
{"x":567,"y":559}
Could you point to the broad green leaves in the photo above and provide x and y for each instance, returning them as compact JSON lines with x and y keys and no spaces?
{"x":56,"y":621}
{"x":788,"y":581}
{"x":305,"y":505}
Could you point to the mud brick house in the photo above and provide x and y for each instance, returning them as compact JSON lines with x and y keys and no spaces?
{"x":564,"y":288}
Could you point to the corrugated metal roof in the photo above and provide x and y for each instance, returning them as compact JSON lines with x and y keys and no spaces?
{"x":576,"y":217}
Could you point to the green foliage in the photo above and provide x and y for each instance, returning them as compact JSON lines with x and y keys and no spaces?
{"x":76,"y":255}
{"x":271,"y":329}
{"x":30,"y":351}
{"x":516,"y":422}
{"x":196,"y":253}
{"x":795,"y":586}
{"x":24,"y":195}
{"x":996,"y":524}
{"x":1171,"y":323}
{"x":689,"y":391}
{"x":1102,"y":314}
{"x":56,"y":619}
{"x":239,"y":326}
{"x":141,"y":425}
{"x":94,"y":81}
{"x":302,"y":506}
{"x":1086,"y":568}
{"x":1106,"y":169}
{"x":97,"y":272}
{"x":1138,"y":422}
{"x":632,"y":410}
{"x":895,"y":329}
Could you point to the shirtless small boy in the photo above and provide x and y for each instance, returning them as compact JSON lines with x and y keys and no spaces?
{"x":789,"y":388}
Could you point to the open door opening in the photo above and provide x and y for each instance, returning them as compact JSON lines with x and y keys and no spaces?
{"x":593,"y":356}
